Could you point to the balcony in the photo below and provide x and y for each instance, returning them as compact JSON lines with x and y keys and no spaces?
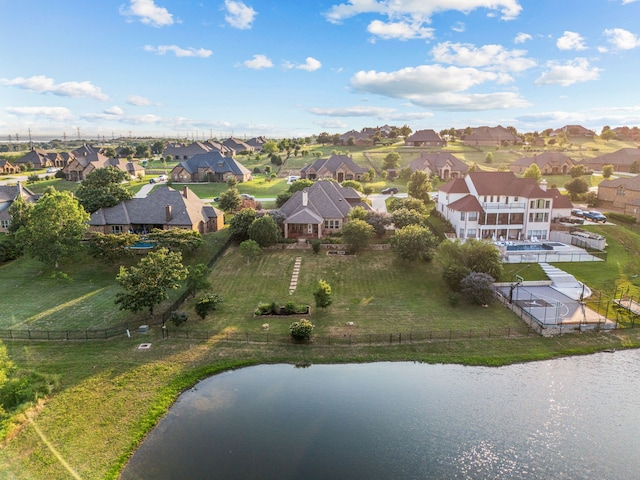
{"x":504,"y":206}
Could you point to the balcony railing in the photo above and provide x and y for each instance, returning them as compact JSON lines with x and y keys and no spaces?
{"x":504,"y":206}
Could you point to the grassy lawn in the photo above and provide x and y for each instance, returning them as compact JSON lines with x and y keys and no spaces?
{"x":108,"y":394}
{"x":85,"y":300}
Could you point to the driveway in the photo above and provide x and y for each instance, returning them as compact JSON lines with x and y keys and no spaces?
{"x":378,"y":200}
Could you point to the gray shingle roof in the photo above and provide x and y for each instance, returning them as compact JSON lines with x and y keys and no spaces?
{"x":325,"y":200}
{"x":185,"y":210}
{"x":216,"y":162}
{"x":333,"y":163}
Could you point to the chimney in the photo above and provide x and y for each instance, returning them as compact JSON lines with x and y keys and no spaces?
{"x":305,"y":198}
{"x":543,"y":185}
{"x":185,"y":192}
{"x":168,"y":212}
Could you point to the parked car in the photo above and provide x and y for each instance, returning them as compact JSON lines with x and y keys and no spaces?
{"x":52,"y":170}
{"x":390,"y":191}
{"x":595,"y":216}
{"x":292,"y":178}
{"x":577,"y":212}
{"x":246,"y":196}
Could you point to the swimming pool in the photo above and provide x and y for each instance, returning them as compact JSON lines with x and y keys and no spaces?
{"x":528,"y":247}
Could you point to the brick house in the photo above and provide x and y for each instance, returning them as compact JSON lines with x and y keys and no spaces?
{"x":164,"y":208}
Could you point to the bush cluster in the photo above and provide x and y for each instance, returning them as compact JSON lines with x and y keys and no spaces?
{"x":273,"y":308}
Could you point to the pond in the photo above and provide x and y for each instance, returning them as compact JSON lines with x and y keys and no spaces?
{"x":568,"y":418}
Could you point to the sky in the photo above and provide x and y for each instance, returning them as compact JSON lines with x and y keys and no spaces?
{"x":293,"y":68}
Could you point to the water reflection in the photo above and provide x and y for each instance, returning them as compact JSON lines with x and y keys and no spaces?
{"x":567,"y":418}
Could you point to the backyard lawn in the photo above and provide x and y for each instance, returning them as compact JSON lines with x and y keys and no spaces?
{"x":106,"y":395}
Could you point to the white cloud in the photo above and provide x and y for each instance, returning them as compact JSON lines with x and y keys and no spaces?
{"x":357,"y":111}
{"x":419,"y":10}
{"x":622,"y":39}
{"x":625,"y":2}
{"x":471,"y":101}
{"x":139,"y":101}
{"x":424,"y":79}
{"x":124,"y":119}
{"x":310,"y":65}
{"x":494,"y":57}
{"x":258,"y":62}
{"x":399,"y":30}
{"x":49,"y":113}
{"x":577,"y":70}
{"x":148,"y":13}
{"x":115,"y":110}
{"x":332,"y":124}
{"x":459,"y":27}
{"x":375,"y":112}
{"x":42,"y":84}
{"x":628,"y":115}
{"x":239,"y":15}
{"x":179,"y":51}
{"x":571,"y":41}
{"x":522,"y":37}
{"x":437,"y":87}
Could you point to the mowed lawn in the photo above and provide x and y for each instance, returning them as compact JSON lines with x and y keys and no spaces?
{"x":34,"y":300}
{"x":374,"y":290}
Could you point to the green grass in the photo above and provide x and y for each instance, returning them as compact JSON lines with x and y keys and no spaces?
{"x":108,"y":394}
{"x":33,"y":300}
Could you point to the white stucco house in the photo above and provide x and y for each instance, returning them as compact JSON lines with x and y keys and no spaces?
{"x":500,"y":206}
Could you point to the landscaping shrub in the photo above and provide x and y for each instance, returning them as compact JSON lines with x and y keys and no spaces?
{"x":178,"y":318}
{"x":478,"y":288}
{"x":323,"y":294}
{"x":23,"y":388}
{"x":315,"y":245}
{"x":263,"y":309}
{"x":207,"y":304}
{"x":290,"y":308}
{"x":301,"y":330}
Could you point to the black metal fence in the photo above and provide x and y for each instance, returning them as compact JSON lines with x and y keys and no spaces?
{"x":109,"y":332}
{"x":355,"y":338}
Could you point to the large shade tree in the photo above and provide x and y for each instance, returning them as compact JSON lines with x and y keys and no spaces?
{"x":147,"y":284}
{"x":103,"y":188}
{"x":419,"y":186}
{"x":414,"y":242}
{"x":54,"y":228}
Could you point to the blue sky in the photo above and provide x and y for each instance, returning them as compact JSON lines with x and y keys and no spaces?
{"x":292,"y":68}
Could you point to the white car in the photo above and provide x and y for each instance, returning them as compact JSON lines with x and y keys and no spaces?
{"x":246,"y":196}
{"x":292,"y":178}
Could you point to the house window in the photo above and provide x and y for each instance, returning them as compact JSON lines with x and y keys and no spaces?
{"x":471,"y":233}
{"x":515,"y":199}
{"x":473,"y":216}
{"x":4,"y":224}
{"x":117,"y":229}
{"x":461,"y":215}
{"x":620,"y":192}
{"x":461,"y":234}
{"x":539,"y":217}
{"x":332,"y":224}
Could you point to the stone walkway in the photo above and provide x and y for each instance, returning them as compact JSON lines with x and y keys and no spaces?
{"x":294,"y":275}
{"x":566,"y":283}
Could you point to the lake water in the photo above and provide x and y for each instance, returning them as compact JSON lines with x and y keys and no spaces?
{"x":571,"y":418}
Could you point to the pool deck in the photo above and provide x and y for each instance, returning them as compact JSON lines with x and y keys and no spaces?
{"x":561,"y":252}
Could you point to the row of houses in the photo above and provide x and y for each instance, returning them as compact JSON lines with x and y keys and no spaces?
{"x":228,"y":148}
